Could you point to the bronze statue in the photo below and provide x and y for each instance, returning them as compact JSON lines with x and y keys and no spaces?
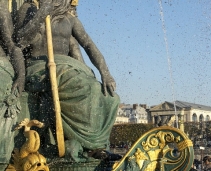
{"x":12,"y":71}
{"x":88,"y":107}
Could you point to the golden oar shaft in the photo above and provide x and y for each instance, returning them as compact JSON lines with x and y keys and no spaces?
{"x":10,"y":5}
{"x":54,"y":87}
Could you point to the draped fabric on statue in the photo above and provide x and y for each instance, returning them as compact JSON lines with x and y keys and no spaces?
{"x":87,"y":114}
{"x":6,"y":109}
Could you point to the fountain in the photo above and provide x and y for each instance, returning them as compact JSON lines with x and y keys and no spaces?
{"x":77,"y":112}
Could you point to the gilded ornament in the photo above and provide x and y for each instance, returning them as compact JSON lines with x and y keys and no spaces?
{"x":154,"y":147}
{"x":28,"y":157}
{"x":184,"y":144}
{"x":177,"y":139}
{"x":36,"y":2}
{"x":154,"y":154}
{"x":140,"y":157}
{"x":152,"y":166}
{"x":151,"y":142}
{"x":164,"y":137}
{"x":74,"y":2}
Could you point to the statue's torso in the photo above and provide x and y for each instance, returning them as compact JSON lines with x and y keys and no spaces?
{"x":61,"y":33}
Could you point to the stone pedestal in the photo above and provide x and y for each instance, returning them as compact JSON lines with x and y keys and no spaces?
{"x":90,"y":166}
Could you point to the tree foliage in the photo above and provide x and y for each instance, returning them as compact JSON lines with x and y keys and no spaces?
{"x":198,"y":129}
{"x":132,"y":132}
{"x":128,"y":132}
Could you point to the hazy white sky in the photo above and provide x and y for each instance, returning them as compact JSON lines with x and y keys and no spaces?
{"x":131,"y":37}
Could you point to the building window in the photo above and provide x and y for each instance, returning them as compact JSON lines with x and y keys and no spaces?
{"x":207,"y":118}
{"x":201,"y":118}
{"x":194,"y":117}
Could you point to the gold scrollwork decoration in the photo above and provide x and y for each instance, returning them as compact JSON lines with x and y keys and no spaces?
{"x":155,"y":150}
{"x":161,"y":138}
{"x":184,"y":144}
{"x":164,"y":137}
{"x":151,"y":142}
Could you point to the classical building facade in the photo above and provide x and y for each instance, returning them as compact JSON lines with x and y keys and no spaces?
{"x":187,"y":112}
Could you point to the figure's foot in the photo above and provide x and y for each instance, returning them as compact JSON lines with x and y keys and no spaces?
{"x":112,"y":156}
{"x":98,"y":154}
{"x":104,"y":155}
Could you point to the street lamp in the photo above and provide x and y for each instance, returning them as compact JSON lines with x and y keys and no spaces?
{"x":202,"y":148}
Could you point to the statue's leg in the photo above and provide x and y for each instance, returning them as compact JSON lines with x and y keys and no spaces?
{"x":87,"y":115}
{"x":74,"y":151}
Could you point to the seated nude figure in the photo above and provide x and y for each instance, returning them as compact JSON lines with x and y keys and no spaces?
{"x":26,"y":13}
{"x":88,"y":107}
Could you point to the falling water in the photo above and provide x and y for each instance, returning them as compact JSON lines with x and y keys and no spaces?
{"x":168,"y":58}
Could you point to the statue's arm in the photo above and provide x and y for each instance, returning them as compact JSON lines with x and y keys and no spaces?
{"x":26,"y":34}
{"x":75,"y":51}
{"x":17,"y":59}
{"x":95,"y":56}
{"x":25,"y":13}
{"x":6,"y":26}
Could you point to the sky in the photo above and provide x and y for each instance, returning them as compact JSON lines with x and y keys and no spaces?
{"x":156,"y":50}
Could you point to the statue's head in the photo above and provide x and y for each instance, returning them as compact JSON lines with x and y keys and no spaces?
{"x":34,"y":162}
{"x":61,"y":7}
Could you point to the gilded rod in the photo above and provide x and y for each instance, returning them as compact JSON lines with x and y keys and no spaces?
{"x":10,"y":5}
{"x":54,"y":87}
